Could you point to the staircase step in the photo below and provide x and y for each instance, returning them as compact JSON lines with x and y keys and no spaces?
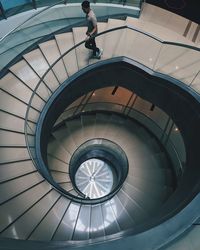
{"x":15,"y":170}
{"x":12,"y":105}
{"x":161,"y":176}
{"x":12,"y":139}
{"x":17,"y":206}
{"x":150,"y":205}
{"x":111,"y":39}
{"x":65,"y":139}
{"x":124,"y":220}
{"x":60,"y":177}
{"x":24,"y":72}
{"x":20,"y":90}
{"x":88,"y":126}
{"x":83,"y":220}
{"x":11,"y":122}
{"x":108,"y":212}
{"x":58,"y":165}
{"x":11,"y":188}
{"x":82,"y":53}
{"x":32,"y":218}
{"x":56,"y":150}
{"x":97,"y":227}
{"x":13,"y":154}
{"x":47,"y":227}
{"x":74,"y":129}
{"x":102,"y":122}
{"x":66,"y":227}
{"x":67,"y":186}
{"x":154,"y":190}
{"x":137,"y":213}
{"x":51,"y":52}
{"x":40,"y":65}
{"x":125,"y":43}
{"x":65,"y":42}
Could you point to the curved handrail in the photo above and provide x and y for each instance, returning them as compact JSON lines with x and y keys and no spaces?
{"x":74,"y":47}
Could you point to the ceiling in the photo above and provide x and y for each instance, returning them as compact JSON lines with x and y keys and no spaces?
{"x":186,"y":8}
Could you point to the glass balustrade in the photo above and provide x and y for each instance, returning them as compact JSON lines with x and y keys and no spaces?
{"x":48,"y":20}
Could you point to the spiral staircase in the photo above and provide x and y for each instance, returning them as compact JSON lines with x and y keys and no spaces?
{"x":51,"y":205}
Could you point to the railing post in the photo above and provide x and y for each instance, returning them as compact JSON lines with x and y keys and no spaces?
{"x":194,"y":78}
{"x":34,"y":4}
{"x":2,"y":11}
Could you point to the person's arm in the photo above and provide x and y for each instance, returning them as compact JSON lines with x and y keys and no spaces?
{"x":93,"y":31}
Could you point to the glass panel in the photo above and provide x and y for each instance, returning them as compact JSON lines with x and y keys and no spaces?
{"x":177,"y":140}
{"x":195,"y":84}
{"x":46,"y":22}
{"x":179,"y":62}
{"x":7,"y":4}
{"x":10,"y":54}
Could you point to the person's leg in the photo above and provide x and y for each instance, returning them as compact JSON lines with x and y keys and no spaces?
{"x":88,"y":44}
{"x":94,"y":46}
{"x":91,"y":44}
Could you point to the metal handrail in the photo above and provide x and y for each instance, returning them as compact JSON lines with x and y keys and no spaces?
{"x":74,"y":47}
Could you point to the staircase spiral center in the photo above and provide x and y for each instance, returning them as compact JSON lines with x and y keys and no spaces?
{"x":94,"y":178}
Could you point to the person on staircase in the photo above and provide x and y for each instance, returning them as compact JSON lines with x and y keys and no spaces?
{"x":92,"y":30}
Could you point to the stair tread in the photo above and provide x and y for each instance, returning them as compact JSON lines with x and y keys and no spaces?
{"x":13,"y":154}
{"x":47,"y":227}
{"x":111,"y":39}
{"x":154,"y":190}
{"x":10,"y":104}
{"x":12,"y":139}
{"x":65,"y":42}
{"x":32,"y":218}
{"x":108,"y":212}
{"x":38,"y":62}
{"x":15,"y":169}
{"x":56,"y":149}
{"x":137,"y":213}
{"x":52,"y":53}
{"x":74,"y":129}
{"x":143,"y":200}
{"x":83,"y":219}
{"x":65,"y":139}
{"x":66,"y":227}
{"x":13,"y":208}
{"x":82,"y":53}
{"x":56,"y":164}
{"x":11,"y":188}
{"x":11,"y":122}
{"x":124,"y":220}
{"x":88,"y":127}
